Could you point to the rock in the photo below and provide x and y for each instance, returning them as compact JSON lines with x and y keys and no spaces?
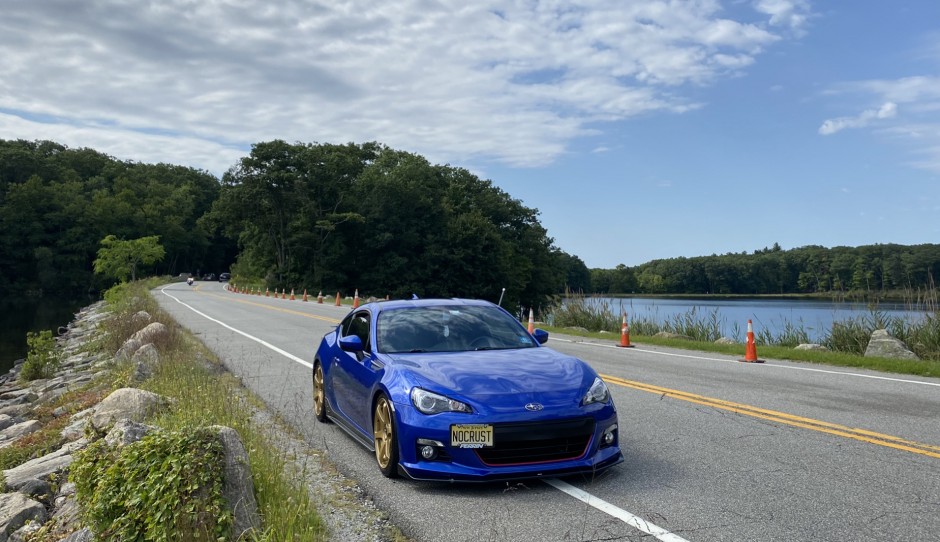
{"x":670,"y":335}
{"x":145,"y":360}
{"x":577,"y":328}
{"x":725,"y":340}
{"x":140,"y":318}
{"x":810,"y":346}
{"x":82,"y":535}
{"x":6,"y":421}
{"x":883,"y":345}
{"x":10,"y":434}
{"x":151,"y":333}
{"x":40,"y":490}
{"x":15,"y":510}
{"x":43,"y":467}
{"x":130,"y":403}
{"x":127,"y":349}
{"x":127,"y":432}
{"x":67,"y":512}
{"x":238,"y":488}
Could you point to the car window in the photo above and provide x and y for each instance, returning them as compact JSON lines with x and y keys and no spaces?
{"x":357,"y":324}
{"x":449,"y":329}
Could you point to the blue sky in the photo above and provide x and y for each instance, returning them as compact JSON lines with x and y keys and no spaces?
{"x":640,"y":129}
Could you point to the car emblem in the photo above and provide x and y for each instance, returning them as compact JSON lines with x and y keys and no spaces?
{"x":534,"y":407}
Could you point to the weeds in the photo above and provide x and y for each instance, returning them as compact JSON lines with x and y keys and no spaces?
{"x":848,"y":336}
{"x":43,"y":358}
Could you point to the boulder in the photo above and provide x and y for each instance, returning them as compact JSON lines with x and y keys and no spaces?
{"x":127,"y":349}
{"x":127,"y":432}
{"x":10,"y":434}
{"x":883,"y":345}
{"x":725,"y":340}
{"x":43,"y":467}
{"x":810,"y":346}
{"x":151,"y":333}
{"x":130,"y":403}
{"x":15,"y":510}
{"x":238,"y":488}
{"x":145,"y":360}
{"x":670,"y":335}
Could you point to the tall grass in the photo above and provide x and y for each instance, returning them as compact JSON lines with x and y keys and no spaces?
{"x":204,"y":394}
{"x":849,"y":336}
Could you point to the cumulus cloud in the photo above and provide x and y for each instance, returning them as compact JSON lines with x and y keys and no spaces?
{"x":792,"y":14}
{"x":831,"y":126}
{"x":918,"y":96}
{"x":490,"y":80}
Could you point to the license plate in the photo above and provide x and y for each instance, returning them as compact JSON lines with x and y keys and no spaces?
{"x":471,"y":435}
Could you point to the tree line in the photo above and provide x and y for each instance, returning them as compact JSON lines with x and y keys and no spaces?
{"x":357,"y":216}
{"x":881,"y":268}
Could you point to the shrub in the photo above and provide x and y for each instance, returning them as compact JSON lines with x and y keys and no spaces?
{"x":165,"y":487}
{"x":43,"y":358}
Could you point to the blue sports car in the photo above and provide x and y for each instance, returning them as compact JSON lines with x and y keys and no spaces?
{"x":459,"y":390}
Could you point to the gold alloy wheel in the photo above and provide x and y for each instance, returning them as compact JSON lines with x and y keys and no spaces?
{"x":383,"y":431}
{"x":318,"y":396}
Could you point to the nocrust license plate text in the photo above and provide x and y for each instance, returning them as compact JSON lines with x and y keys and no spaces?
{"x":471,"y":435}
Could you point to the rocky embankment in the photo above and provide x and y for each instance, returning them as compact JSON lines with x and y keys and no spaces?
{"x":37,"y":495}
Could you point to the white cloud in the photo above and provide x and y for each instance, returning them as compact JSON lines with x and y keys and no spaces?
{"x":513,"y":82}
{"x":886,"y":111}
{"x":918,"y":129}
{"x":793,"y":14}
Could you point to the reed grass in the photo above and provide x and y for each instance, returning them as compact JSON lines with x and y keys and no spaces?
{"x":847,"y":340}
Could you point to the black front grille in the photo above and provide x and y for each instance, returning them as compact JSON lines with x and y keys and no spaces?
{"x":542,"y":442}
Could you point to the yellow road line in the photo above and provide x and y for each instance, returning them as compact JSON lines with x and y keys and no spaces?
{"x":862,"y":435}
{"x":278,"y":309}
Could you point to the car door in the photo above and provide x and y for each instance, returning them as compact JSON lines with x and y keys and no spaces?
{"x":357,"y":375}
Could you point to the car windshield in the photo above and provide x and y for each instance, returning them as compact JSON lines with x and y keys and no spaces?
{"x":449,"y":328}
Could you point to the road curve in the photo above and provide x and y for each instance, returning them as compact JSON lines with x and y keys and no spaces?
{"x":715,"y":449}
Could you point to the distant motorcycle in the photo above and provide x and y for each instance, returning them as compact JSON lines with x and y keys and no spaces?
{"x":190,"y":281}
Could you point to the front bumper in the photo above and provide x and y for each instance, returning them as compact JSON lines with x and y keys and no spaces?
{"x":464,"y":464}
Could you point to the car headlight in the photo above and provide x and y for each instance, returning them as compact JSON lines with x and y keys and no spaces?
{"x":432,"y":403}
{"x":597,"y":393}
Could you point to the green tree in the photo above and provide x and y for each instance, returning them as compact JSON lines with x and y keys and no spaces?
{"x":118,"y":259}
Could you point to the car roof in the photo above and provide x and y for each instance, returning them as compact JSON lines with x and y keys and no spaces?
{"x":379,"y":306}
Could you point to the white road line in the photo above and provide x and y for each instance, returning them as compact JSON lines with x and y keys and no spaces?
{"x":262,"y":342}
{"x":774,"y":365}
{"x":619,"y":513}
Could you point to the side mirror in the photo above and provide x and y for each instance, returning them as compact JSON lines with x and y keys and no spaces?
{"x":351,"y":343}
{"x":540,"y":335}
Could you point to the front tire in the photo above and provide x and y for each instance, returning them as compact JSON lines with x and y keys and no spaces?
{"x":385,"y":436}
{"x":319,"y":394}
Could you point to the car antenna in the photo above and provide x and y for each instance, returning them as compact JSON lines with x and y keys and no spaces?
{"x":501,"y":297}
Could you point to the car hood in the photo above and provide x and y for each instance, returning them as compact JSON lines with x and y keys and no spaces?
{"x":501,"y":377}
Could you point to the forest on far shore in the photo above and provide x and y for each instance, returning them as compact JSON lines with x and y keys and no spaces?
{"x":361,"y":216}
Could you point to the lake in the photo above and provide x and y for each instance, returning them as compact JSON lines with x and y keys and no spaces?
{"x":773,"y":314}
{"x":17,"y":316}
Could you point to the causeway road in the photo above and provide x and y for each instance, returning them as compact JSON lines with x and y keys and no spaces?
{"x":715,"y":449}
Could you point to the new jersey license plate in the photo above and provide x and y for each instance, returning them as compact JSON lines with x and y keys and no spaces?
{"x":471,"y":435}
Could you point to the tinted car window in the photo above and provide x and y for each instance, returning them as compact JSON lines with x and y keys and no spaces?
{"x":357,"y":324}
{"x":449,"y":329}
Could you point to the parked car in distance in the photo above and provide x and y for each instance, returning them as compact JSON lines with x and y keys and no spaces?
{"x":224,"y":277}
{"x":459,"y":390}
{"x":210,"y":276}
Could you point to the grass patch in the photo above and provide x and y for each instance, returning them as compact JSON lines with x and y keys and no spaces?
{"x":204,"y":394}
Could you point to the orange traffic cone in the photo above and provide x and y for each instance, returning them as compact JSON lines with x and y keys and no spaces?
{"x":356,"y":300}
{"x":750,"y":351}
{"x":320,"y":297}
{"x":292,"y":298}
{"x":337,"y":300}
{"x":267,"y":292}
{"x":531,"y":322}
{"x":305,"y":295}
{"x":284,"y":293}
{"x":625,"y":334}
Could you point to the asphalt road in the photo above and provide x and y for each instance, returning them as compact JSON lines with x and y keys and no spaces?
{"x":715,"y":449}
